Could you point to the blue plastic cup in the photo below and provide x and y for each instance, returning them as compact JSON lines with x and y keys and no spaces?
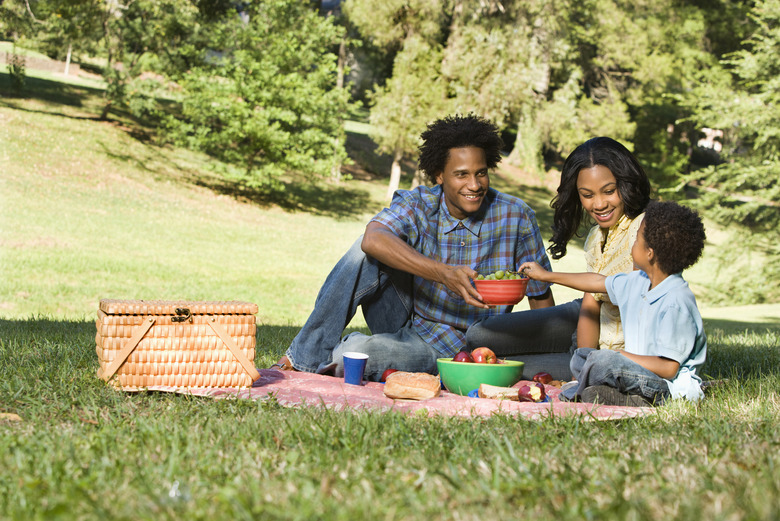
{"x":354,"y":366}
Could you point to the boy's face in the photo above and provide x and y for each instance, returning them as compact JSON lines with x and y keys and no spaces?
{"x":640,"y":252}
{"x":465,"y":181}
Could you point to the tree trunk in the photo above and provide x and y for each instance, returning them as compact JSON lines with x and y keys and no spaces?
{"x":395,"y":173}
{"x":527,"y":151}
{"x":67,"y":59}
{"x":418,"y":179}
{"x":342,"y":63}
{"x":335,"y":172}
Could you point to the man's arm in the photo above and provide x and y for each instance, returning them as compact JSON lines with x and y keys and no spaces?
{"x":663,"y":367}
{"x":545,"y":300}
{"x":382,"y":244}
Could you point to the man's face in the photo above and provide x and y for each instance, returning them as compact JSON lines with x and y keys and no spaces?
{"x":465,"y":181}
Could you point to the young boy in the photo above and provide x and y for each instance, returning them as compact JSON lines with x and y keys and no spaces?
{"x":664,"y":335}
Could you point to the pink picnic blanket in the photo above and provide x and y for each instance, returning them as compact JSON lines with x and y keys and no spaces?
{"x":293,"y":389}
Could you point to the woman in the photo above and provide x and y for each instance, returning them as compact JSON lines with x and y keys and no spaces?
{"x":603,"y":180}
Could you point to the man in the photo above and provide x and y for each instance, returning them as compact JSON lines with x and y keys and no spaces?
{"x":412,"y":272}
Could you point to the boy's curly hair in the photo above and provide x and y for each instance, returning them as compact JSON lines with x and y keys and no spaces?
{"x":676,"y":235}
{"x":456,"y":132}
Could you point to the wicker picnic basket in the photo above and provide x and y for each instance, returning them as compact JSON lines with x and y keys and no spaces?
{"x":176,"y":344}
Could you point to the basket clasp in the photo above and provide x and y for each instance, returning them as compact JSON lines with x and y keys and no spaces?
{"x":182,"y":315}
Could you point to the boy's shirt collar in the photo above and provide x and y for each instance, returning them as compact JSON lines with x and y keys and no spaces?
{"x":670,"y":283}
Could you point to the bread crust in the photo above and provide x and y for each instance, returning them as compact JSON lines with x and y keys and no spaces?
{"x":412,"y":386}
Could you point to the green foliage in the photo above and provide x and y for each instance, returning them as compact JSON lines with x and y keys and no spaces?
{"x":266,"y":98}
{"x":414,"y":96}
{"x":743,"y":191}
{"x":389,"y":22}
{"x":571,"y":118}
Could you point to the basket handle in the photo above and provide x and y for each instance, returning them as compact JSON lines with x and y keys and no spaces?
{"x":128,"y":348}
{"x":222,"y":333}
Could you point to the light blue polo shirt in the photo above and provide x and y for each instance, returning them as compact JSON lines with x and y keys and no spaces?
{"x":664,"y":321}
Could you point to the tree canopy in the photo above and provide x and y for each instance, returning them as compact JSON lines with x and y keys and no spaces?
{"x":258,"y":83}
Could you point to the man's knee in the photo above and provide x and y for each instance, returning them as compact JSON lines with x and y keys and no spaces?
{"x":476,"y":335}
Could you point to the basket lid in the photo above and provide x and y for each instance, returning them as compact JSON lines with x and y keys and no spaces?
{"x":168,"y":307}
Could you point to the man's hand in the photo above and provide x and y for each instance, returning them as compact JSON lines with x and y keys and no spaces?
{"x":458,"y":280}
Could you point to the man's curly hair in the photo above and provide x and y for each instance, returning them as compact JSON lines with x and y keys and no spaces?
{"x":456,"y":132}
{"x":676,"y":235}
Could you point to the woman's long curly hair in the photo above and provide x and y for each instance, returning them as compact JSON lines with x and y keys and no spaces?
{"x":457,"y":132}
{"x":632,"y":184}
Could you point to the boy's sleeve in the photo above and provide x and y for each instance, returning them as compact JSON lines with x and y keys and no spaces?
{"x":618,"y":288}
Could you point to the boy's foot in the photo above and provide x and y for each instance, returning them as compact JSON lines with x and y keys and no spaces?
{"x":606,"y":395}
{"x":284,"y":364}
{"x":568,"y":385}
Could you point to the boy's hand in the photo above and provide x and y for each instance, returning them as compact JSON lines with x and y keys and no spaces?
{"x":533,"y":271}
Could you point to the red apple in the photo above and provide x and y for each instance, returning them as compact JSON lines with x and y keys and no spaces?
{"x":484,"y":355}
{"x":462,"y":356}
{"x":387,"y":373}
{"x":531,"y":393}
{"x":543,"y":378}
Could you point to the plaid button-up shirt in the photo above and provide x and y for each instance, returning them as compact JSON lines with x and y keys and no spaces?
{"x":501,"y":235}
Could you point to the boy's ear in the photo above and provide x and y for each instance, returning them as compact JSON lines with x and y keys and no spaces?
{"x":651,"y":255}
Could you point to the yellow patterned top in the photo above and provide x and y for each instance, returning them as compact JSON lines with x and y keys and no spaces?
{"x":614,"y":257}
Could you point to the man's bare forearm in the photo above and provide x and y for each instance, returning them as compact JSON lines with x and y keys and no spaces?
{"x":383,"y":245}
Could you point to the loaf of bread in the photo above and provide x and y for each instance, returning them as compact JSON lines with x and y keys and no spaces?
{"x":412,"y":386}
{"x":497,"y":393}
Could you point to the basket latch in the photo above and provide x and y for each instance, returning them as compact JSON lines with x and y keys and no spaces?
{"x":182,"y":315}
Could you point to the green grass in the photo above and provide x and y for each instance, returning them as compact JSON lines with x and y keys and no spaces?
{"x":83,"y":451}
{"x":91,"y":209}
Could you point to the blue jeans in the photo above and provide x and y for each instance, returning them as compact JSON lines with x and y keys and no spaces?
{"x":534,"y":331}
{"x":386,"y":298}
{"x":606,"y":367}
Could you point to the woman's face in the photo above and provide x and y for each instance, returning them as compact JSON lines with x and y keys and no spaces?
{"x":599,"y":195}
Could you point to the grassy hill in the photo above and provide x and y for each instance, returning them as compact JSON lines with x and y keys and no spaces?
{"x":96,"y":209}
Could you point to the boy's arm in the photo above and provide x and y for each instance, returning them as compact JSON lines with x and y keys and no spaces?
{"x":663,"y":367}
{"x":590,"y":282}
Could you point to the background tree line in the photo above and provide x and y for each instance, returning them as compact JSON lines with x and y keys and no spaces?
{"x":265,"y":85}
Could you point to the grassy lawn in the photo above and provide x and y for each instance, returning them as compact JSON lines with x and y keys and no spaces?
{"x":92,"y":210}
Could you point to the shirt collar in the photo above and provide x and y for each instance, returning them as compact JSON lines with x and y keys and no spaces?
{"x":621,"y":225}
{"x":472,"y":223}
{"x":667,"y":285}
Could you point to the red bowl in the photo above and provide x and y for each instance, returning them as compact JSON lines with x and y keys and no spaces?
{"x":501,"y":292}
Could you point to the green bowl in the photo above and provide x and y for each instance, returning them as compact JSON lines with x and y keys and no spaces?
{"x":462,"y":377}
